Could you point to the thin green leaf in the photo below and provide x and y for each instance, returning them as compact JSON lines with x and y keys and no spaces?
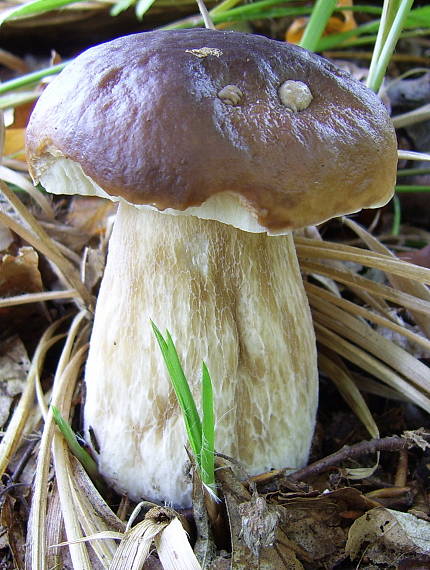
{"x":387,"y":19}
{"x":412,"y":171}
{"x":321,"y":12}
{"x":395,"y":229}
{"x":391,"y":27}
{"x":31,"y":78}
{"x":224,"y":7}
{"x":417,"y":18}
{"x":182,"y":390}
{"x":35,"y":7}
{"x":121,"y":6}
{"x":142,"y":7}
{"x":16,"y":99}
{"x":257,"y":8}
{"x":334,"y":40}
{"x":241,"y":14}
{"x":78,"y":451}
{"x":245,"y":15}
{"x":412,"y":188}
{"x":208,"y":431}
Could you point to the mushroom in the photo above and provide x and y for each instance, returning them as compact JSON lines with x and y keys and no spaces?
{"x":216,"y":146}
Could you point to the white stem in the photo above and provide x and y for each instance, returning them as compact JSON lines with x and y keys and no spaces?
{"x":228,"y":297}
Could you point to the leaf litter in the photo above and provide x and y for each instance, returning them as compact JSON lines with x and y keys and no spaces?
{"x":346,"y":515}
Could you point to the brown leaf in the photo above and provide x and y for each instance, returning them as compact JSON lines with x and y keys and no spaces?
{"x":20,"y":273}
{"x":388,"y":536}
{"x":14,"y":525}
{"x":261,"y":527}
{"x":14,"y":143}
{"x":419,"y":257}
{"x":316,"y":525}
{"x":14,"y":366}
{"x":89,"y":214}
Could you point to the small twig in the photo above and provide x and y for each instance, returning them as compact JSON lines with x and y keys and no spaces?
{"x":205,"y":15}
{"x":24,"y":459}
{"x":12,"y":486}
{"x":38,"y":297}
{"x":402,"y":469}
{"x":392,"y":443}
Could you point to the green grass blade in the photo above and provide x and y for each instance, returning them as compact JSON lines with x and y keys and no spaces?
{"x":142,"y":7}
{"x":321,"y":12}
{"x":257,"y":10}
{"x":224,"y":6}
{"x":16,"y":99}
{"x":121,"y":6}
{"x":35,"y":7}
{"x":397,"y":218}
{"x":417,"y":18}
{"x":412,"y":171}
{"x":412,"y":188}
{"x":78,"y":451}
{"x":208,"y":431}
{"x":182,"y":391}
{"x":390,"y":30}
{"x":335,"y":40}
{"x":387,"y":18}
{"x":30,"y":78}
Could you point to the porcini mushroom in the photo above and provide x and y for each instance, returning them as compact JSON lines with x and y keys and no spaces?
{"x":216,"y":145}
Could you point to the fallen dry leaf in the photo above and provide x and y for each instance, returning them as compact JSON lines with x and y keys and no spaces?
{"x":14,"y":143}
{"x":6,"y":237}
{"x":419,"y":257}
{"x":388,"y":536}
{"x":14,"y":366}
{"x":15,"y":525}
{"x":260,"y":524}
{"x":20,"y":273}
{"x":317,"y":524}
{"x":90,"y":214}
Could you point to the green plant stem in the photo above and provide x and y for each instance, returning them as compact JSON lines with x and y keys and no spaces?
{"x":412,"y":171}
{"x":390,"y":33}
{"x":412,"y":188}
{"x":385,"y":24}
{"x":36,"y":7}
{"x":78,"y":451}
{"x":208,"y":431}
{"x":16,"y":99}
{"x":321,"y":12}
{"x":31,"y":78}
{"x":397,"y":211}
{"x":223,"y":7}
{"x":182,"y":390}
{"x":417,"y":18}
{"x":201,"y":434}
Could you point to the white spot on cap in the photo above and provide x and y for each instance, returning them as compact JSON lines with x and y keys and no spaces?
{"x":230,"y":95}
{"x":295,"y":95}
{"x":204,"y":52}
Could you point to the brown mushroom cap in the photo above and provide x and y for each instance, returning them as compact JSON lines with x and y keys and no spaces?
{"x":148,"y":117}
